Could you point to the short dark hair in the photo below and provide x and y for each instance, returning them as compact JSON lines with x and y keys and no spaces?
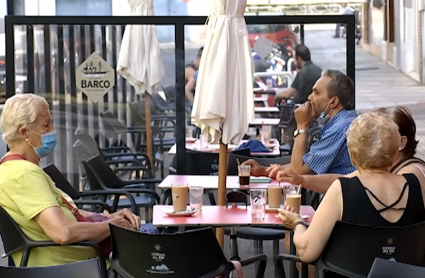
{"x":303,"y":52}
{"x":342,"y":87}
{"x":200,"y":52}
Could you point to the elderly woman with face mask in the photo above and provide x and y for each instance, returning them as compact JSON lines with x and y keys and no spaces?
{"x":29,"y":195}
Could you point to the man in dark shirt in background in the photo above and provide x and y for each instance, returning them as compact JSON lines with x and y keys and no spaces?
{"x":305,"y":79}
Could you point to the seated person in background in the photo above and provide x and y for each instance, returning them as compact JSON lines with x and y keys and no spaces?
{"x":331,"y":103}
{"x":405,"y":161}
{"x":30,"y":196}
{"x":375,"y":197}
{"x":189,"y":89}
{"x":190,"y":68}
{"x":305,"y":79}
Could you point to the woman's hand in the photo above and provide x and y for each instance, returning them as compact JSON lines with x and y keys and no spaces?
{"x":126,"y":215}
{"x":289,"y":217}
{"x":287,"y":175}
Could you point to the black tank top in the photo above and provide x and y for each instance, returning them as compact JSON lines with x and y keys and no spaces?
{"x":358,"y":209}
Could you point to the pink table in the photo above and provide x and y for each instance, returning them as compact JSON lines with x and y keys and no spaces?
{"x":211,"y":182}
{"x":265,"y":121}
{"x":215,"y":148}
{"x":220,"y":216}
{"x":266,"y":110}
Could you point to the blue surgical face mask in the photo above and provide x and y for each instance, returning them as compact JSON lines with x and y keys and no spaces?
{"x":48,"y":144}
{"x":323,"y":117}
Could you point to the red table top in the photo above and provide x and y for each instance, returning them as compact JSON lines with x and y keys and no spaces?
{"x":211,"y":182}
{"x":221,"y":216}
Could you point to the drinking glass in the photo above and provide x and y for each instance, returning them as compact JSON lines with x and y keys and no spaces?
{"x":244,"y":172}
{"x":293,"y":198}
{"x":196,"y":195}
{"x":179,"y":194}
{"x":189,"y":132}
{"x":274,"y":192}
{"x":258,"y":204}
{"x":265,"y":134}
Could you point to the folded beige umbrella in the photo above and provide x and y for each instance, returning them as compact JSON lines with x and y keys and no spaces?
{"x":140,"y":61}
{"x":224,"y":106}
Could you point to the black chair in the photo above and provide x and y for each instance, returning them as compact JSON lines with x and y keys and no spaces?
{"x":125,"y":166}
{"x":352,"y":249}
{"x":258,"y":235}
{"x":86,"y":269}
{"x":113,"y":155}
{"x":62,"y":183}
{"x":101,"y":177}
{"x":116,"y":133}
{"x":14,"y":240}
{"x":393,"y":269}
{"x":191,"y":254}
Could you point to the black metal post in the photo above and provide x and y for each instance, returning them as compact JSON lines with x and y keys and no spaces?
{"x":30,"y":60}
{"x":60,"y":94}
{"x":180,"y":99}
{"x":302,"y":34}
{"x":48,"y":76}
{"x":10,"y":7}
{"x":83,"y":56}
{"x":351,"y":51}
{"x":74,"y":109}
{"x":114,"y":106}
{"x":10,"y":64}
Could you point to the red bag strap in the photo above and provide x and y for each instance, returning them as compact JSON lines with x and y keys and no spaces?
{"x":73,"y":209}
{"x":11,"y":157}
{"x":238,"y":267}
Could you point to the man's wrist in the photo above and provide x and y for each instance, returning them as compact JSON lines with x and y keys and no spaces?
{"x":302,"y":127}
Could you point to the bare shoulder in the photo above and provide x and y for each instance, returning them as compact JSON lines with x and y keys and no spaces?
{"x":415,"y":168}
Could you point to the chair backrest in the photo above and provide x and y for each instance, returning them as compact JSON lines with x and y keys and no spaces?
{"x":352,"y":248}
{"x":87,"y":269}
{"x":13,"y":237}
{"x":115,"y":132}
{"x":232,"y":165}
{"x":201,"y":163}
{"x":60,"y":181}
{"x":83,"y":153}
{"x":89,"y":142}
{"x":191,"y":254}
{"x":137,"y":113}
{"x":392,"y":269}
{"x":99,"y":175}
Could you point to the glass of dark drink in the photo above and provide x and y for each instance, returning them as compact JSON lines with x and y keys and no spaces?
{"x":244,"y":174}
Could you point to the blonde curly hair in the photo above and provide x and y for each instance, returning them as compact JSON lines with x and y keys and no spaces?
{"x":373,"y":141}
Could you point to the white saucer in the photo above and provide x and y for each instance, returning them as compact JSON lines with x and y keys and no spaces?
{"x":187,"y":212}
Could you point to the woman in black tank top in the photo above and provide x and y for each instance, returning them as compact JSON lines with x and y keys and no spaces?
{"x":375,"y":197}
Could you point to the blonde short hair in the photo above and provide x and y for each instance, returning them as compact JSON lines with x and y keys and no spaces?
{"x":19,"y":111}
{"x":373,"y":141}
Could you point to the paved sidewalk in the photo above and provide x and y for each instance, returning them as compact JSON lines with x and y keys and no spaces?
{"x":377,"y":83}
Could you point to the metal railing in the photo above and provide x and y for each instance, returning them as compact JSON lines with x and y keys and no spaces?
{"x":59,"y":83}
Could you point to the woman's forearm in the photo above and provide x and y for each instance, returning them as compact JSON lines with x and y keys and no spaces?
{"x":319,"y":183}
{"x":81,"y":231}
{"x":299,"y":241}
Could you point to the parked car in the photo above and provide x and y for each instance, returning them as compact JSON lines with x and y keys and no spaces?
{"x":280,"y":34}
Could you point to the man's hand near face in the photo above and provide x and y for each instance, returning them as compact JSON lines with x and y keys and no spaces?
{"x":305,"y":115}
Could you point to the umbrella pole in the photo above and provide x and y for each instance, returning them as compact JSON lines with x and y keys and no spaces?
{"x":149,"y":146}
{"x":222,"y":175}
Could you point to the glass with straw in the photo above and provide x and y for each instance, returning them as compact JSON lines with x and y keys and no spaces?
{"x":293,"y":198}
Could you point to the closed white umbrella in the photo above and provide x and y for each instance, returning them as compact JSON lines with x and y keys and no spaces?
{"x":224,"y":106}
{"x":140,"y":61}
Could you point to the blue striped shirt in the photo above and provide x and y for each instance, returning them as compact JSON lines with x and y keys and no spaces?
{"x":330,"y":153}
